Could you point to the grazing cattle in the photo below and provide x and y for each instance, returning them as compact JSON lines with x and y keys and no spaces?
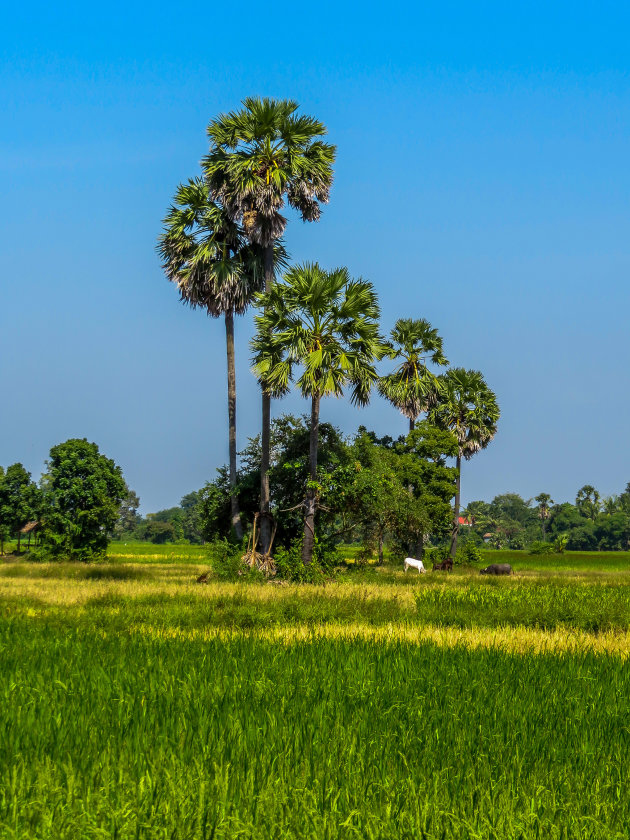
{"x":411,"y":563}
{"x":444,"y":566}
{"x":497,"y":569}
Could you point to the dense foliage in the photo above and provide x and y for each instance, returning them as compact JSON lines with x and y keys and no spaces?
{"x":82,"y":494}
{"x":591,"y":524}
{"x":19,"y":501}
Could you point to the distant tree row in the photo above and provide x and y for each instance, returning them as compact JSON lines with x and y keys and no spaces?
{"x":591,"y":523}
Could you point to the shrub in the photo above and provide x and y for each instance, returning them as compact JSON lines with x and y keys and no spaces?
{"x":471,"y":554}
{"x":542,"y":548}
{"x":225,"y":559}
{"x":435,"y":554}
{"x":560,"y":543}
{"x":290,"y":566}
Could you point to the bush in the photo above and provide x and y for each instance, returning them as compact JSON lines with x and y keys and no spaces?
{"x":225,"y":559}
{"x":471,"y":554}
{"x":560,"y":543}
{"x":290,"y":566}
{"x":542,"y":548}
{"x":435,"y":554}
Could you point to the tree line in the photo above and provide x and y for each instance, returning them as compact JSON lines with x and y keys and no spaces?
{"x":591,"y":523}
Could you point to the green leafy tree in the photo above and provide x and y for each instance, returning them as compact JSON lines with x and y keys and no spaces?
{"x":469,"y":408}
{"x":588,"y":502}
{"x":374,"y":494}
{"x":128,"y":517}
{"x":19,"y":502}
{"x":159,"y":531}
{"x":423,"y":468}
{"x":326,"y":324}
{"x":81,"y":503}
{"x":262,"y":157}
{"x":412,"y":388}
{"x":613,"y":532}
{"x":611,"y":505}
{"x":206,"y":255}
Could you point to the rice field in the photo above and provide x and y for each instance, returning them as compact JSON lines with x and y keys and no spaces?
{"x":135,"y":703}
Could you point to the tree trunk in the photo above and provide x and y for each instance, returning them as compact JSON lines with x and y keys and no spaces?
{"x":420,"y":547}
{"x":412,"y":424}
{"x":19,"y":541}
{"x":231,"y":377}
{"x":380,"y":548}
{"x":455,"y":532}
{"x":265,"y":437}
{"x":311,"y":499}
{"x":543,"y":528}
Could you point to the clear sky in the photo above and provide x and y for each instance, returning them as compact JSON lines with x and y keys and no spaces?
{"x":482,"y":182}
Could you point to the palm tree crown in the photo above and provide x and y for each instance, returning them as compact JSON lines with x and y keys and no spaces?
{"x":469,"y":408}
{"x":265,"y":153}
{"x":327,"y":324}
{"x":206,"y":255}
{"x":412,"y":388}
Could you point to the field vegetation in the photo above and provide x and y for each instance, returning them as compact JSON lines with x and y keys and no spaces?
{"x":138,"y":703}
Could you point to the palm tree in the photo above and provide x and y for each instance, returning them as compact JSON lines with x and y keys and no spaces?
{"x":412,"y":388}
{"x":544,"y":508}
{"x":326,"y":324}
{"x":206,"y":255}
{"x":261,"y":157}
{"x":468,"y":408}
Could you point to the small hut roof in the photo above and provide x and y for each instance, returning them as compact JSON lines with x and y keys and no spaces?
{"x":30,"y":526}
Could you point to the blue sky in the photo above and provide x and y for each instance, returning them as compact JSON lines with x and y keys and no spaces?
{"x":482,"y":182}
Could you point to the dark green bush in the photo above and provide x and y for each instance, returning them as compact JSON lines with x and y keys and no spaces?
{"x":471,"y":554}
{"x":290,"y":566}
{"x":225,"y":559}
{"x":542,"y":548}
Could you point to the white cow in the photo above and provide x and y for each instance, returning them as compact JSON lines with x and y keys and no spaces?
{"x":412,"y":563}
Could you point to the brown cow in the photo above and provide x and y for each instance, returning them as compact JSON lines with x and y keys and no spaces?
{"x":444,"y":566}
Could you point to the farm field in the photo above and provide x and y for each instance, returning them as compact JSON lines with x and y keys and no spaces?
{"x":137,"y":703}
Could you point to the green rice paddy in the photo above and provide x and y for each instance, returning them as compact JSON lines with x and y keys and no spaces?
{"x":135,"y":703}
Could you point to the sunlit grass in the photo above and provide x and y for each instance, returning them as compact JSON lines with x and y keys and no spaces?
{"x":136,"y":703}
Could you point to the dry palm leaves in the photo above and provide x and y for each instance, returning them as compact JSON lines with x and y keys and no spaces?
{"x":252,"y":558}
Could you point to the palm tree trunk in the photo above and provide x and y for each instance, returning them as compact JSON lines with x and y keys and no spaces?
{"x":265,"y":437}
{"x":231,"y":377}
{"x":455,"y":532}
{"x":412,"y":424}
{"x":310,"y":502}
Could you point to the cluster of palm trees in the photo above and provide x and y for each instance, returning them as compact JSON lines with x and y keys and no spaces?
{"x":223,"y":247}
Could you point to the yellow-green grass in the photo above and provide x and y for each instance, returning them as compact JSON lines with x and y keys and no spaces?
{"x":136,"y":703}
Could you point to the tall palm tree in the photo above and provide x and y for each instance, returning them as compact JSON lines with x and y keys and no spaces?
{"x":326,"y":324}
{"x":412,"y":388}
{"x":468,"y":408}
{"x":205,"y":253}
{"x":544,"y":509}
{"x":261,"y":157}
